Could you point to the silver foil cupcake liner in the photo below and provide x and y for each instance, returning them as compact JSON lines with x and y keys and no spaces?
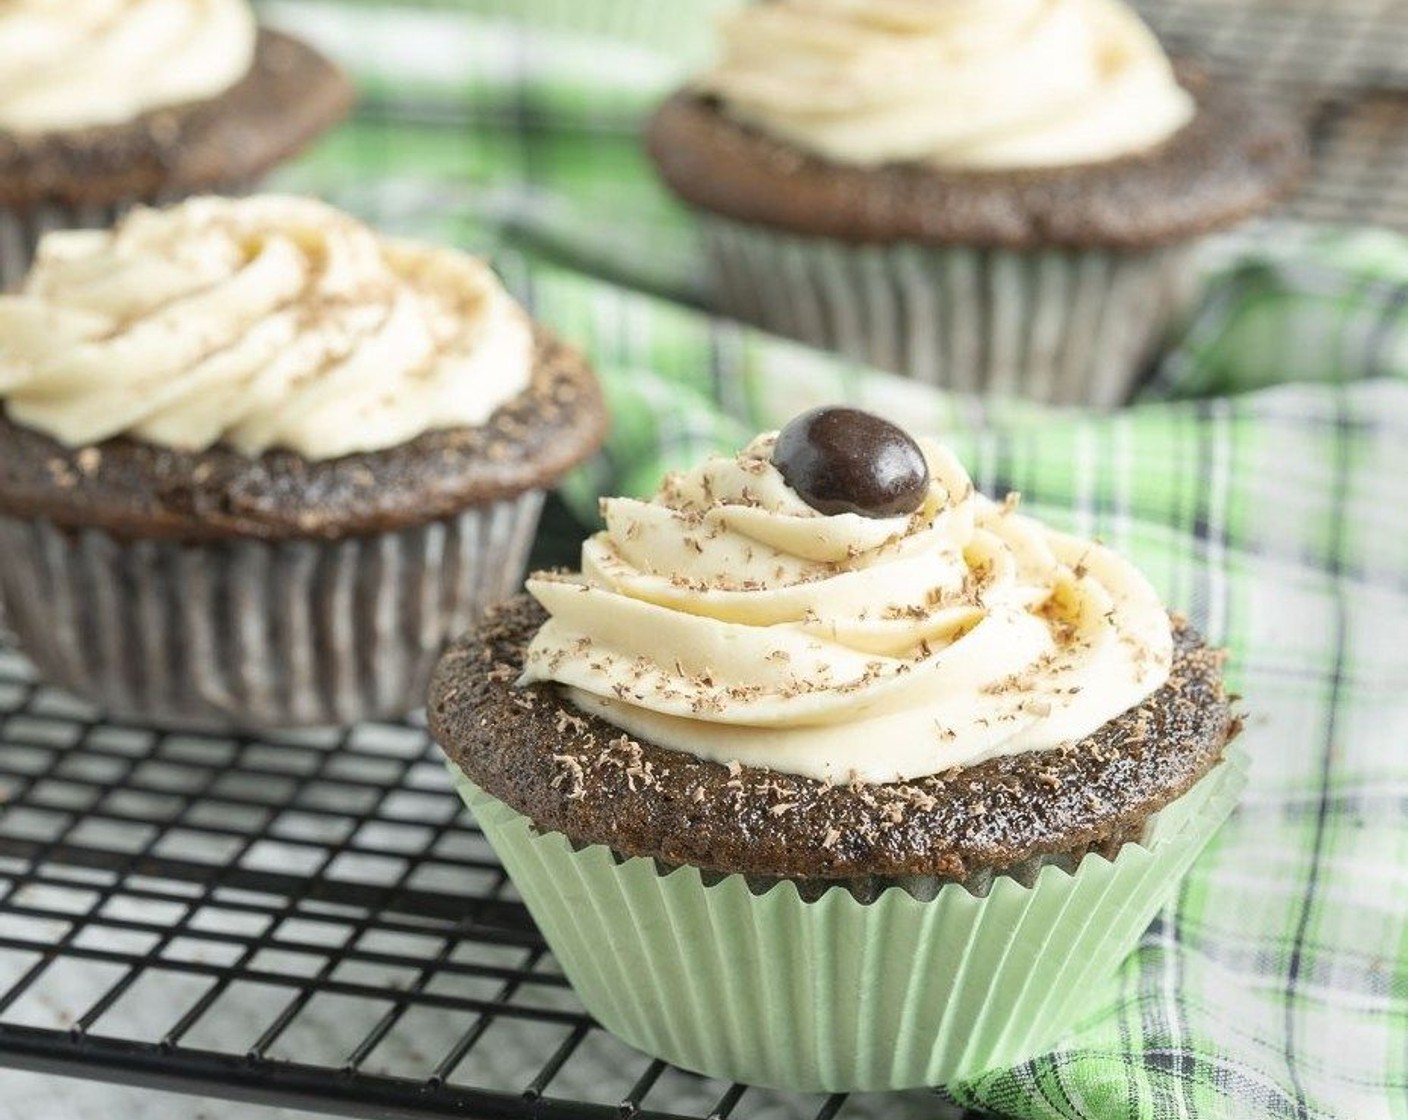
{"x":22,"y":230}
{"x":256,"y":635}
{"x":1055,"y":326}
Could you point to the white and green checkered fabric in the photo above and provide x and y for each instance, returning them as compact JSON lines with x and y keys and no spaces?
{"x":1262,"y":483}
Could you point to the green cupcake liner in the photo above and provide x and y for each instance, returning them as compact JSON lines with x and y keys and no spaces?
{"x":836,"y":995}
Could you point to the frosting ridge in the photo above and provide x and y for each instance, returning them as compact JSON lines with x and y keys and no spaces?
{"x":728,"y":619}
{"x":269,"y":322}
{"x":979,"y":84}
{"x":68,"y":64}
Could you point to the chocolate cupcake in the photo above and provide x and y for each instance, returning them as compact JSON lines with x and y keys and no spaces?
{"x":258,"y":464}
{"x":993,"y":196}
{"x":104,"y":105}
{"x":868,"y":781}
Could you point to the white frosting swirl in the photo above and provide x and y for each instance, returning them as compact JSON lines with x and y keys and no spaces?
{"x":74,"y":63}
{"x":728,"y":619}
{"x":981,"y":84}
{"x":258,"y":323}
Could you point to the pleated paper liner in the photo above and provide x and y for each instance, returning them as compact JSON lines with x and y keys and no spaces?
{"x":1069,"y":327}
{"x":834,"y":994}
{"x":256,"y":635}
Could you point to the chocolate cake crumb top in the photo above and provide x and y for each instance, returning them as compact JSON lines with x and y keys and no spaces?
{"x":290,"y":95}
{"x":572,"y":772}
{"x":139,"y":490}
{"x":1237,"y":157}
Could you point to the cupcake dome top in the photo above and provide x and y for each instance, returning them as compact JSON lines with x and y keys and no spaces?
{"x":268,"y":322}
{"x":68,"y":64}
{"x":729,"y":619}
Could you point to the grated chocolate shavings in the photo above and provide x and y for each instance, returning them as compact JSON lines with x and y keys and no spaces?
{"x":642,"y":799}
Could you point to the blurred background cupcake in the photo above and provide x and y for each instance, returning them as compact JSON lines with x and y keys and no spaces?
{"x":995,"y":196}
{"x":108,"y":103}
{"x":258,"y":464}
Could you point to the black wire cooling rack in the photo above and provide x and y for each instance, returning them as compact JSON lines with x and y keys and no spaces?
{"x":309,"y":921}
{"x":312,"y":922}
{"x":1341,"y":63}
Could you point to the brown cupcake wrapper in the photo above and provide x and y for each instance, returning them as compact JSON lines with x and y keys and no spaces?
{"x":256,"y":635}
{"x":22,"y":230}
{"x":1056,"y":326}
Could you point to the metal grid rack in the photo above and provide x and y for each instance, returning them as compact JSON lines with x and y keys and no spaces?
{"x":312,"y":922}
{"x":1342,"y":63}
{"x":309,"y":921}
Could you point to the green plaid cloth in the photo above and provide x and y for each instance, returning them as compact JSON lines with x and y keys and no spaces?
{"x":1262,"y":484}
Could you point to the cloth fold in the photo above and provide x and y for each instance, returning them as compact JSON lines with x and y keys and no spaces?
{"x":1261,"y":480}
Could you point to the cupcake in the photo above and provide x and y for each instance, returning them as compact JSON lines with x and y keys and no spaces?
{"x":108,"y":103}
{"x":828,"y":773}
{"x":992,"y":196}
{"x":257,"y":464}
